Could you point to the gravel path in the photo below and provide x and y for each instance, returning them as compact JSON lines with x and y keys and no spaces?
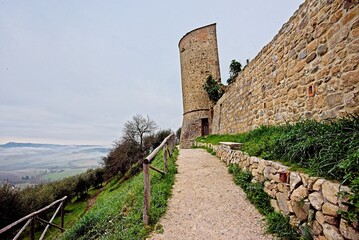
{"x":206,"y":204}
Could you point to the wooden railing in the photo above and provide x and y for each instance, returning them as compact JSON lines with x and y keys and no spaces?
{"x":168,"y":145}
{"x":34,"y":216}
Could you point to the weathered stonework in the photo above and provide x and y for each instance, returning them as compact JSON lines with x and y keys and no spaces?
{"x":199,"y":59}
{"x":315,"y":204}
{"x":308,"y":71}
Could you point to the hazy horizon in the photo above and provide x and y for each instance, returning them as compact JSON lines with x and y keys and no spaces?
{"x":34,"y":164}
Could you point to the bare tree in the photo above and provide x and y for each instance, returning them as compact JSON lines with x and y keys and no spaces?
{"x":138,"y":128}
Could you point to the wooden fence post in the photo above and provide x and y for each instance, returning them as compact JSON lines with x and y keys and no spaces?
{"x":173,"y":139}
{"x":32,"y":228}
{"x":165,"y":149}
{"x":62,"y":215}
{"x":147,"y":192}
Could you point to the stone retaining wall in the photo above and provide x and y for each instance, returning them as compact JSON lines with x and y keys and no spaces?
{"x":311,"y":201}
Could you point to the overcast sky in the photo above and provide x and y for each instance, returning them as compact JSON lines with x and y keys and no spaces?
{"x":73,"y":71}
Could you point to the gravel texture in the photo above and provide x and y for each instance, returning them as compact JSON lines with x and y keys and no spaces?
{"x":206,"y":204}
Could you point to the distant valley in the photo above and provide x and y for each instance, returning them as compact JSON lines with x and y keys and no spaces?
{"x":32,"y":163}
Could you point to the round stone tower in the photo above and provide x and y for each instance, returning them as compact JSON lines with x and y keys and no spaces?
{"x":199,"y":59}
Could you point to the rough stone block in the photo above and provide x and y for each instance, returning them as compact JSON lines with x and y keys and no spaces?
{"x":317,"y":228}
{"x":300,"y":209}
{"x":319,"y":216}
{"x":348,"y":231}
{"x":330,"y":209}
{"x":275,"y":205}
{"x":299,"y":194}
{"x":331,"y":232}
{"x":316,"y":200}
{"x":282,"y":203}
{"x":311,"y":57}
{"x":331,"y":220}
{"x":330,"y":191}
{"x":302,"y":54}
{"x":232,"y":145}
{"x":295,"y":180}
{"x":322,"y":49}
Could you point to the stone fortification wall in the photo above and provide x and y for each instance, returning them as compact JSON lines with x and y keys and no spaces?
{"x":309,"y":70}
{"x":308,"y":201}
{"x":199,"y":58}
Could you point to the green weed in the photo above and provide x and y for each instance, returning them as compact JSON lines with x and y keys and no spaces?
{"x":279,"y":225}
{"x":276,"y":222}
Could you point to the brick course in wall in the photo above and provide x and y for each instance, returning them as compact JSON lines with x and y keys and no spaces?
{"x":308,"y":71}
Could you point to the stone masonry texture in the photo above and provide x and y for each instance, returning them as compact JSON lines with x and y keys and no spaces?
{"x":199,"y":59}
{"x":308,"y":71}
{"x":308,"y":201}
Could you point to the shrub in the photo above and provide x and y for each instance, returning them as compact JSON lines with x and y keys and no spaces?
{"x":214,"y":89}
{"x":9,"y":205}
{"x":234,"y":68}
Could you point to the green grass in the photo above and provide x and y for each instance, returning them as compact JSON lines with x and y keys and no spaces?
{"x":276,"y":222}
{"x":117,"y":213}
{"x":328,"y":150}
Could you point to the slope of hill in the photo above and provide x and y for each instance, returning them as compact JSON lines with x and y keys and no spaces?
{"x":117,"y":212}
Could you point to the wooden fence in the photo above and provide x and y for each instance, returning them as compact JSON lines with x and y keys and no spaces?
{"x":34,"y":216}
{"x":168,"y":145}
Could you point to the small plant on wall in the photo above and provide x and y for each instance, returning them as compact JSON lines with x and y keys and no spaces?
{"x":214,"y":88}
{"x":234,"y":68}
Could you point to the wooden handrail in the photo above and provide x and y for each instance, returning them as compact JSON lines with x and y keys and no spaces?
{"x":168,"y":145}
{"x":153,"y":154}
{"x":31,"y":218}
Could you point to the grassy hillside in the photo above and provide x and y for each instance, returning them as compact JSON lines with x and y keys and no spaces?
{"x":117,"y":212}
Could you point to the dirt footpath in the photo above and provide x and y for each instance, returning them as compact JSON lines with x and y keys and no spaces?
{"x":206,"y":204}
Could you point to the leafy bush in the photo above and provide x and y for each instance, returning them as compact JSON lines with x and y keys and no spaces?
{"x":121,"y":157}
{"x":234,"y":68}
{"x":214,"y":89}
{"x":9,"y":205}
